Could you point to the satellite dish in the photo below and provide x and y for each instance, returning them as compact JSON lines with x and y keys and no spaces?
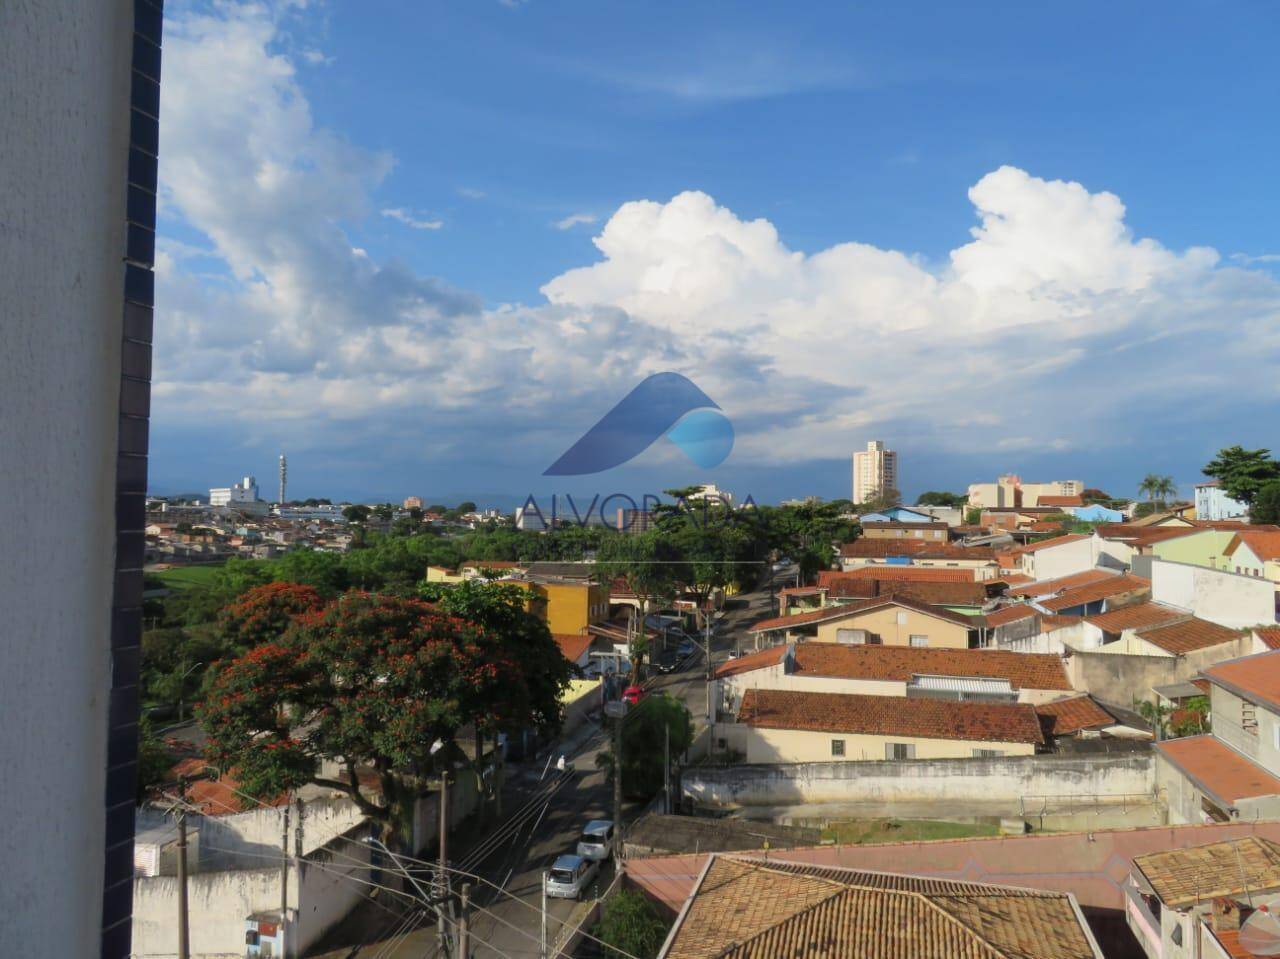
{"x":1260,"y":933}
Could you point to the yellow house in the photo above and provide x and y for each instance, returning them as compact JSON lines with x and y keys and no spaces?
{"x":892,"y":621}
{"x":568,"y":606}
{"x":443,"y":574}
{"x":1254,"y":553}
{"x":782,"y":726}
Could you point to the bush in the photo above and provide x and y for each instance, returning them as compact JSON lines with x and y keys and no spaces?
{"x":632,"y":926}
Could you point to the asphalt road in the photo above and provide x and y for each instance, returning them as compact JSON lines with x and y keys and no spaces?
{"x":545,"y":812}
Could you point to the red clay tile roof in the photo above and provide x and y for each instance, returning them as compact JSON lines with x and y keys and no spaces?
{"x":936,"y":594}
{"x":1046,"y":526}
{"x":1264,"y":545}
{"x":1008,"y":614}
{"x":1059,"y":501}
{"x":1049,"y":623}
{"x":1189,"y":635}
{"x":1055,"y":541}
{"x":1143,"y":535}
{"x":848,"y":609}
{"x":872,"y":548}
{"x":572,"y":645}
{"x":1047,"y":587}
{"x":1016,"y":579}
{"x":1103,"y":589}
{"x":1066,"y":716}
{"x":1218,"y":769}
{"x":1269,"y":635}
{"x":890,"y":716}
{"x":1256,"y":677}
{"x":221,"y":796}
{"x":758,"y":660}
{"x":1135,"y":617}
{"x":899,"y":524}
{"x":901,"y":663}
{"x":923,"y":574}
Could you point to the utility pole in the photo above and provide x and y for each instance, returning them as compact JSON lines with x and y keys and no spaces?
{"x":464,"y":940}
{"x":184,"y":945}
{"x":542,"y":942}
{"x":617,"y":789}
{"x":666,"y":768}
{"x":285,"y":937}
{"x":706,"y":633}
{"x":444,"y":855}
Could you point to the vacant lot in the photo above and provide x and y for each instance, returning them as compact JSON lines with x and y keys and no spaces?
{"x":184,"y":577}
{"x":903,"y":830}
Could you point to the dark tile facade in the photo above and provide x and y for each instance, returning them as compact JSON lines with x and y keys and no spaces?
{"x":137,"y":303}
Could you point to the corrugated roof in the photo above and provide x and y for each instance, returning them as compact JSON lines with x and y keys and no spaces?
{"x":890,"y":716}
{"x":1183,"y":877}
{"x":873,"y":548}
{"x":752,"y":661}
{"x":925,"y":574}
{"x":1009,"y":614}
{"x":1188,"y":635}
{"x":1047,"y":587}
{"x":752,"y":909}
{"x":854,"y":609}
{"x":1269,"y":635}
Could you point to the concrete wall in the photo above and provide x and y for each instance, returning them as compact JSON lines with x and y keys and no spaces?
{"x":1204,"y":548}
{"x":1055,"y":561}
{"x":945,"y":781}
{"x":65,"y":125}
{"x":1220,"y":597}
{"x":1263,"y":744}
{"x":803,"y":746}
{"x":894,"y":626}
{"x":218,"y":904}
{"x":1120,"y":678}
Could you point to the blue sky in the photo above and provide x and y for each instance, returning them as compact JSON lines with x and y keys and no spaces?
{"x":424,"y":250}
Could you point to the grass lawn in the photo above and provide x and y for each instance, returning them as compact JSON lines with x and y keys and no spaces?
{"x":858,"y":831}
{"x":184,"y":577}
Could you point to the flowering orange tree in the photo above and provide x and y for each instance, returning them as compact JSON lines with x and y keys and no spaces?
{"x":354,"y":695}
{"x":265,"y":612}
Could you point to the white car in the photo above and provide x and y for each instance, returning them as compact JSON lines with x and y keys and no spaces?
{"x":569,"y":876}
{"x":597,"y":840}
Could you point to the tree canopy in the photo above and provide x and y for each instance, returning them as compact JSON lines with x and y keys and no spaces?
{"x":1242,"y":473}
{"x":631,"y":925}
{"x":365,"y":685}
{"x":939,"y":498}
{"x":644,"y":733}
{"x":1266,"y":505}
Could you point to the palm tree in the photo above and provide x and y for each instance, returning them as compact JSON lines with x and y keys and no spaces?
{"x":1157,"y":489}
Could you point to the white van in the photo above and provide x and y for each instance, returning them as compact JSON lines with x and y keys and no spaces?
{"x":569,"y":875}
{"x":597,"y":840}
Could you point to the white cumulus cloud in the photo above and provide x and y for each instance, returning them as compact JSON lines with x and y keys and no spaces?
{"x":574,"y":219}
{"x":409,"y":218}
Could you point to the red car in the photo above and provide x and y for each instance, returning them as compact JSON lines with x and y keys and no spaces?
{"x":632,"y":695}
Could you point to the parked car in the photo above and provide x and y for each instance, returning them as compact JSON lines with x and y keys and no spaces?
{"x":687,"y":647}
{"x":668,"y":660}
{"x":597,"y":840}
{"x":569,"y":875}
{"x":632,"y":695}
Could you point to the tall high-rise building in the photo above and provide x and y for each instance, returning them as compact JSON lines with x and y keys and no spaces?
{"x":875,"y":469}
{"x":284,"y":477}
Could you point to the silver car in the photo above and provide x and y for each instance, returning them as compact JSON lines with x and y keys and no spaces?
{"x":597,"y":840}
{"x":569,"y":876}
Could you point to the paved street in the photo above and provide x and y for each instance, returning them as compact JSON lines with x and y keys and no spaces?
{"x":548,"y":827}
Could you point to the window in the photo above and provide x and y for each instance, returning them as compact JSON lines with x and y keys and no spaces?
{"x":899,"y":751}
{"x":919,"y":641}
{"x":902,"y":617}
{"x":837,"y":747}
{"x":851,"y":637}
{"x":987,"y":753}
{"x":1176,"y":935}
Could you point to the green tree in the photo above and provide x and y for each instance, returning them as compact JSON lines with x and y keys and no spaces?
{"x":466,"y":506}
{"x":936,"y":498}
{"x":154,"y":761}
{"x":881,"y":499}
{"x":499,"y":609}
{"x":1158,"y":489}
{"x":631,"y":926}
{"x":650,"y":566}
{"x":808,"y":533}
{"x":356,"y":513}
{"x":1156,"y":714}
{"x":644,"y":733}
{"x":1194,"y":718}
{"x":1266,"y":505}
{"x":1242,"y":473}
{"x":369,"y":683}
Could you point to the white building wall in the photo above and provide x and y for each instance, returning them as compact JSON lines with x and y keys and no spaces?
{"x":64,"y":83}
{"x":1218,"y":596}
{"x":1063,"y":560}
